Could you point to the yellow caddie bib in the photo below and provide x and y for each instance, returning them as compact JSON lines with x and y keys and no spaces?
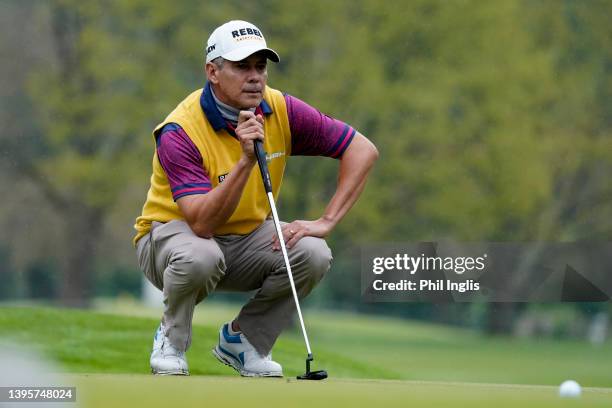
{"x":220,"y":151}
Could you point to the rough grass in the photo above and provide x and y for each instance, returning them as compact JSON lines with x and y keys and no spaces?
{"x":91,"y":342}
{"x":347,"y":345}
{"x":372,"y":361}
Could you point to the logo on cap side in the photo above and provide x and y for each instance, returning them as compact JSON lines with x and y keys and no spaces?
{"x":211,"y":48}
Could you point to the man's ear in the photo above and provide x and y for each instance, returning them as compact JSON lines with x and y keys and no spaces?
{"x":211,"y":72}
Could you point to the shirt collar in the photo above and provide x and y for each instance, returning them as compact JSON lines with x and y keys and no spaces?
{"x":212,"y":113}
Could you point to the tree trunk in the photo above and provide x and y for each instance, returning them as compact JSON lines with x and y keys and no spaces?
{"x":83,"y":230}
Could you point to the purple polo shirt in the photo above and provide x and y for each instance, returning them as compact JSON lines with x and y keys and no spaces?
{"x":312,"y":134}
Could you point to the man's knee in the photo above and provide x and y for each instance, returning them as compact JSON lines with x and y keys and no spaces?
{"x":208,"y":262}
{"x":201,"y":262}
{"x":317,"y":256}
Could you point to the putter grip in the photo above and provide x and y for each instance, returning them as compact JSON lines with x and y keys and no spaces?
{"x":263,"y":165}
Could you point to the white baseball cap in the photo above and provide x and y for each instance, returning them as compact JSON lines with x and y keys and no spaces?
{"x":236,"y":40}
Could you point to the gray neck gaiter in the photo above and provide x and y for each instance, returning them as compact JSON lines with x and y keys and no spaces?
{"x":229,"y":113}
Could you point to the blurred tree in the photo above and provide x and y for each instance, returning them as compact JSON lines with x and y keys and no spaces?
{"x":8,"y":276}
{"x":492,"y":119}
{"x":115,"y":280}
{"x":94,"y":104}
{"x":577,"y":125}
{"x":41,"y":280}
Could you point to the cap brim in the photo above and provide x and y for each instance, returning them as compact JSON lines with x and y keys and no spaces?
{"x":244,"y":52}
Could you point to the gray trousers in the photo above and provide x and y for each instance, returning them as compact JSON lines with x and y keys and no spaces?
{"x":187,"y":268}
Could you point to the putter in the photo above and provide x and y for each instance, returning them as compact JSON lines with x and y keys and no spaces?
{"x":265,"y":175}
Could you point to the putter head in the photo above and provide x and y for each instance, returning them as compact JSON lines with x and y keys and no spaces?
{"x":313,"y":375}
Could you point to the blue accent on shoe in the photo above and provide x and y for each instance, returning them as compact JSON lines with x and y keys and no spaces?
{"x":230,"y":338}
{"x":240,"y":360}
{"x":241,"y":355}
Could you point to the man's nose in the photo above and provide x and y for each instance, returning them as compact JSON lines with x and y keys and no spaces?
{"x":254,"y":75}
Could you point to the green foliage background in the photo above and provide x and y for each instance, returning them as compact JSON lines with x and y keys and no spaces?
{"x":493,"y":119}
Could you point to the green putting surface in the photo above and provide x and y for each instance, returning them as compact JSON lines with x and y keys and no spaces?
{"x":103,"y":390}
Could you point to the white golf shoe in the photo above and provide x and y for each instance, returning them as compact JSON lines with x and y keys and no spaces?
{"x":235,"y":351}
{"x":165,"y":358}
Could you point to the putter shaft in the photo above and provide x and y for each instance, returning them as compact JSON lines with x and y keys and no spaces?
{"x":281,"y":239}
{"x":265,"y":175}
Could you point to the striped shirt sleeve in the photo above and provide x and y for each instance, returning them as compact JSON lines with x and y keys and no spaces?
{"x":316,"y":134}
{"x":182,"y":162}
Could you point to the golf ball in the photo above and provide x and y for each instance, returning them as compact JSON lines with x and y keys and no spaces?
{"x":569,"y":389}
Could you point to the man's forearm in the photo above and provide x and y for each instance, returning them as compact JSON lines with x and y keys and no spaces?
{"x":210,"y":211}
{"x":355,"y":165}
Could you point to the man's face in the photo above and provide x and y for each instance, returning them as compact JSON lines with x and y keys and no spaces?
{"x":240,"y":84}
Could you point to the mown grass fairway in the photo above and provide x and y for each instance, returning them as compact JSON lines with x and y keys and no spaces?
{"x":371,"y":361}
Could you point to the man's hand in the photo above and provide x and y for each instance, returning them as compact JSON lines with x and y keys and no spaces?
{"x":298,"y":229}
{"x":250,"y":128}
